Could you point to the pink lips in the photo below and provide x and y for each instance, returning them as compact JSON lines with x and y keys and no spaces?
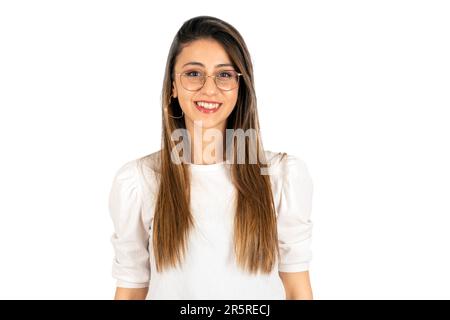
{"x":205,"y":110}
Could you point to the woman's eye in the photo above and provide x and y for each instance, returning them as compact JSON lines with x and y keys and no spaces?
{"x":225,"y":75}
{"x":193,"y":74}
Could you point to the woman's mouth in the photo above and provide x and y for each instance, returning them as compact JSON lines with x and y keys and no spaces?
{"x":207,"y":106}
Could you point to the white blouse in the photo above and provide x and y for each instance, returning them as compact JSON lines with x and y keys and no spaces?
{"x":209,"y":270}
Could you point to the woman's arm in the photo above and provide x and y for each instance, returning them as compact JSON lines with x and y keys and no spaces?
{"x":297,"y":285}
{"x":131,"y":293}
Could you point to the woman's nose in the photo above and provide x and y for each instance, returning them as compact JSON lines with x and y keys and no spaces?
{"x":210,"y":85}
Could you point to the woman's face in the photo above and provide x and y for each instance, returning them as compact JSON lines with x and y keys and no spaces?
{"x":207,"y":57}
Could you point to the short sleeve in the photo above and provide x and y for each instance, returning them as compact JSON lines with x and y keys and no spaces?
{"x":294,"y":212}
{"x":130,"y":239}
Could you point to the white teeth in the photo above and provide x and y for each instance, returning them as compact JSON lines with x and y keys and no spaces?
{"x":208,"y":105}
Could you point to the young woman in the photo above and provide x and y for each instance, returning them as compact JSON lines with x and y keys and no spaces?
{"x":190,"y":225}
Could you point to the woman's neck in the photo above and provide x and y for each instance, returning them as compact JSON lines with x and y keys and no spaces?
{"x":207,"y":144}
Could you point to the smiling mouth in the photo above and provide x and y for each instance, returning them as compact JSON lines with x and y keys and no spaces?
{"x":207,"y":107}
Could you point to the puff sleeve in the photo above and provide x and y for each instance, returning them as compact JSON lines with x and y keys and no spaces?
{"x":294,"y":211}
{"x":131,"y":265}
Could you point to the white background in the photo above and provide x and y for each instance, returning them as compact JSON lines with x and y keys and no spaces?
{"x":359,"y":89}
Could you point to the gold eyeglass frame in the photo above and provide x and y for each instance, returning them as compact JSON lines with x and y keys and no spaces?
{"x":207,"y":76}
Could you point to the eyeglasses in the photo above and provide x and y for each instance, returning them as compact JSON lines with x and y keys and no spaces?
{"x":195,"y":80}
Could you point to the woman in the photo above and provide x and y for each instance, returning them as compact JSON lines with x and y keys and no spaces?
{"x":190,"y":225}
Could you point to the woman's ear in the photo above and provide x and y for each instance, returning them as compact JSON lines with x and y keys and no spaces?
{"x":174,"y":90}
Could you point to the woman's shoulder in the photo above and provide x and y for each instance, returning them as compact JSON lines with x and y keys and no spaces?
{"x":284,"y":164}
{"x":150,"y":163}
{"x":142,"y":171}
{"x":293,"y":184}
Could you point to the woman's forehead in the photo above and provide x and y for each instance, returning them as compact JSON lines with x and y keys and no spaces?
{"x":203,"y":53}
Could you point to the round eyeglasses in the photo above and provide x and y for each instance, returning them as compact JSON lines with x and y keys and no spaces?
{"x":195,"y":80}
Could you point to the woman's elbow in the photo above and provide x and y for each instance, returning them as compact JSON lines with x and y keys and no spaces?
{"x":297,"y":285}
{"x":130,"y":293}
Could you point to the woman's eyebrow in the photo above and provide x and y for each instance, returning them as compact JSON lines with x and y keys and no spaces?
{"x":202,"y":65}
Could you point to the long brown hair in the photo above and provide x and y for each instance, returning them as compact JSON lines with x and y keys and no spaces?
{"x":255,"y":228}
